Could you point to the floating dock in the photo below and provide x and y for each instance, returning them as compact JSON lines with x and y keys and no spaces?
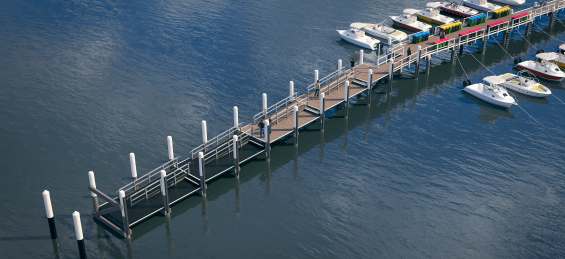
{"x":156,"y":191}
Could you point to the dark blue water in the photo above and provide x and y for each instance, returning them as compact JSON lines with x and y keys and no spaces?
{"x":426,"y":172}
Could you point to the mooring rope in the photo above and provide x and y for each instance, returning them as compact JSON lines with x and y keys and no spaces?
{"x":500,"y":45}
{"x":545,"y":32}
{"x":529,"y":114}
{"x":463,"y":68}
{"x":558,"y":99}
{"x":479,"y":61}
{"x":318,"y":29}
{"x":526,"y":40}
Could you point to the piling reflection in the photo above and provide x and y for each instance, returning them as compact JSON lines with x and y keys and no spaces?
{"x":237,"y":197}
{"x":129,"y":248}
{"x":205,"y":215}
{"x":56,"y":249}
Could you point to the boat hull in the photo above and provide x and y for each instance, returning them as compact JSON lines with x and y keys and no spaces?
{"x":356,"y":42}
{"x":478,"y":7}
{"x":488,"y":100}
{"x":465,"y":15}
{"x":428,"y":19}
{"x":407,"y":26}
{"x":540,"y":74}
{"x":528,"y":92}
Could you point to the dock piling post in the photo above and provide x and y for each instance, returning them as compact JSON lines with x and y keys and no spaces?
{"x":369,"y":86}
{"x":390,"y":77}
{"x":78,"y":233}
{"x":267,"y":141}
{"x":235,"y":157}
{"x":360,"y":57}
{"x":236,"y":118}
{"x":124,"y":205}
{"x":322,"y":111}
{"x":339,"y":67}
{"x":418,"y":56}
{"x":527,"y":33}
{"x":204,"y":134}
{"x":170,"y":147}
{"x":552,"y":17}
{"x":295,"y":124}
{"x":428,"y":64}
{"x":133,"y":169}
{"x":346,"y":100}
{"x":291,"y":91}
{"x":264,"y":105}
{"x":165,"y":192}
{"x":461,"y":49}
{"x":49,"y":213}
{"x":92,"y":182}
{"x":201,"y":167}
{"x":453,"y":51}
{"x":484,"y":45}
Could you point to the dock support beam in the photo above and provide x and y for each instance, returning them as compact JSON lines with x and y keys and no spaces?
{"x":204,"y":134}
{"x":295,"y":124}
{"x":202,"y":169}
{"x":346,"y":100}
{"x":461,"y":49}
{"x":418,"y":56}
{"x":322,"y":110}
{"x":552,"y":17}
{"x":453,"y":51}
{"x":360,"y":57}
{"x":133,"y":170}
{"x":125,"y":221}
{"x":267,"y":141}
{"x":235,"y":156}
{"x":484,"y":45}
{"x":264,"y":105}
{"x":165,"y":192}
{"x":528,"y":27}
{"x":505,"y":37}
{"x":369,"y":86}
{"x":428,"y":64}
{"x":49,"y":212}
{"x":390,"y":77}
{"x":92,"y":183}
{"x":170,"y":147}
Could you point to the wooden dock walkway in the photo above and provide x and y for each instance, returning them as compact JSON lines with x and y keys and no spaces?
{"x":156,"y":191}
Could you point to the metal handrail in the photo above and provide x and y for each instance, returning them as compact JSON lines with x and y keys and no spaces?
{"x":274,"y":108}
{"x":332,"y":76}
{"x":148,"y":190}
{"x":147,"y":176}
{"x":211,"y":143}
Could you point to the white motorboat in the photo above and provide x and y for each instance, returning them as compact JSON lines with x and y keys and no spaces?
{"x":380,"y":31}
{"x":525,"y":84}
{"x":543,"y":69}
{"x":491,"y":92}
{"x":553,"y":57}
{"x":430,"y":15}
{"x":454,"y":8}
{"x":358,"y":37}
{"x":410,"y":22}
{"x":511,"y":2}
{"x":481,"y":5}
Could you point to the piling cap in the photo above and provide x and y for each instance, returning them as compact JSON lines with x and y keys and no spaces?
{"x":295,"y":108}
{"x":122,"y":194}
{"x":78,"y":226}
{"x":200,"y":155}
{"x":235,"y":137}
{"x":163,"y":173}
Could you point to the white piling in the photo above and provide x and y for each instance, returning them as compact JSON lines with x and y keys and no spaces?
{"x":235,"y":117}
{"x":123,"y":203}
{"x":202,"y":168}
{"x":267,"y":141}
{"x":265,"y":105}
{"x":339,"y":66}
{"x":164,"y":192}
{"x":170,"y":147}
{"x":360,"y":57}
{"x":295,"y":124}
{"x":92,"y":183}
{"x":291,"y":91}
{"x":133,"y":166}
{"x":78,"y":233}
{"x":204,"y":132}
{"x":49,"y":213}
{"x":235,"y":156}
{"x":315,"y":76}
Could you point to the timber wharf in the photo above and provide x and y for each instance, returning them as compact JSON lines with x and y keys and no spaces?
{"x":168,"y":184}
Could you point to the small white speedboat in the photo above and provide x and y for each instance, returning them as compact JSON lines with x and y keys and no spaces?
{"x":543,"y":69}
{"x":525,"y":84}
{"x":511,"y":2}
{"x":410,"y":22}
{"x":481,"y":5}
{"x":553,"y":57}
{"x":380,"y":31}
{"x":491,"y":92}
{"x":430,"y":15}
{"x":358,"y":37}
{"x":454,"y":8}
